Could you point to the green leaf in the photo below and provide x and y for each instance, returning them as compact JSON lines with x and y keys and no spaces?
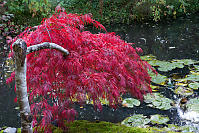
{"x":196,"y":67}
{"x":130,"y":102}
{"x":157,"y":100}
{"x":186,"y":61}
{"x":184,"y":91}
{"x":192,"y":77}
{"x":148,"y":57}
{"x":193,"y":105}
{"x":158,"y":79}
{"x":136,"y":121}
{"x":194,"y":85}
{"x":159,"y":119}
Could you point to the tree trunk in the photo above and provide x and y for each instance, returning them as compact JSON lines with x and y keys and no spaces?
{"x":20,"y":50}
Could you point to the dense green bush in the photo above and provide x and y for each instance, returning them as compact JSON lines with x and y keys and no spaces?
{"x":29,"y":11}
{"x":125,"y":11}
{"x":113,"y":11}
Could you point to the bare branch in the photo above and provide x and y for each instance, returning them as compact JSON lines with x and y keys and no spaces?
{"x":46,"y":45}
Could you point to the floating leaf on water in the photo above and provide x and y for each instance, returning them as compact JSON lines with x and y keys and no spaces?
{"x":154,"y":88}
{"x":186,"y":61}
{"x":136,"y":121}
{"x":181,"y":84}
{"x":178,"y":64}
{"x":158,"y":79}
{"x":189,"y":129}
{"x":159,"y":119}
{"x":192,"y":77}
{"x":193,"y":105}
{"x":167,"y":66}
{"x":130,"y":102}
{"x":194,"y":73}
{"x":196,"y":67}
{"x":155,"y":62}
{"x":194,"y":85}
{"x":157,"y":100}
{"x":148,"y":57}
{"x":184,"y":91}
{"x":184,"y":129}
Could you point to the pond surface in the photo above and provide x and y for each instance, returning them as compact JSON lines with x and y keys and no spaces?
{"x":178,"y":39}
{"x":8,"y":114}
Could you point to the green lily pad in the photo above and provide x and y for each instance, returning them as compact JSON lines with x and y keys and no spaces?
{"x":184,"y":129}
{"x":186,"y":61}
{"x":130,"y":102}
{"x":196,"y":67}
{"x":155,"y":62}
{"x":158,"y":79}
{"x":159,"y":119}
{"x":194,"y":85}
{"x":184,"y":91}
{"x":156,"y":100}
{"x":148,"y":57}
{"x":193,"y":105}
{"x":136,"y":121}
{"x":167,"y":66}
{"x":192,"y":77}
{"x":189,"y":129}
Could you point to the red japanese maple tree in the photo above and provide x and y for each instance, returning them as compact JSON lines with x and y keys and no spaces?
{"x":98,"y":66}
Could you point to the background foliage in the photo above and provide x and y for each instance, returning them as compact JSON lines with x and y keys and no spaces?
{"x":107,"y":11}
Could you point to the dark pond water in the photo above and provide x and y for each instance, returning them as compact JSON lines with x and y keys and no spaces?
{"x":8,"y":115}
{"x":177,"y":39}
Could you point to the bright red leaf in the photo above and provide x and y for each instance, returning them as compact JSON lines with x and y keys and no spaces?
{"x":98,"y":66}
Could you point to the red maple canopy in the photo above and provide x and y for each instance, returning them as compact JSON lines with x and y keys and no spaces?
{"x":98,"y":66}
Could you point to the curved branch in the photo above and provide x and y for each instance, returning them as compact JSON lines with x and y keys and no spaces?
{"x":46,"y":45}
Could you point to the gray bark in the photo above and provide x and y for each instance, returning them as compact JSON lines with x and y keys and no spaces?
{"x":20,"y":51}
{"x":46,"y":45}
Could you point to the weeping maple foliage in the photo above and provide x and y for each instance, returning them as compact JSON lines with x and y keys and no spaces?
{"x":98,"y":66}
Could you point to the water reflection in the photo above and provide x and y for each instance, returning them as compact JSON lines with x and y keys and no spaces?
{"x":8,"y":114}
{"x":168,"y":40}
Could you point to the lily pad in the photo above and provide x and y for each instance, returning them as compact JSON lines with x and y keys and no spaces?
{"x":156,"y":62}
{"x":181,"y":84}
{"x":196,"y":67}
{"x":148,"y":57}
{"x":193,"y":105}
{"x":159,"y":119}
{"x":167,"y":66}
{"x":156,"y":100}
{"x":184,"y":129}
{"x":130,"y":102}
{"x":192,"y":77}
{"x":154,"y":88}
{"x":184,"y":91}
{"x":158,"y":79}
{"x":136,"y":121}
{"x":186,"y":61}
{"x":194,"y":85}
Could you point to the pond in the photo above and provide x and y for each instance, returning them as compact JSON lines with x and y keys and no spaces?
{"x":177,"y":39}
{"x":8,"y":113}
